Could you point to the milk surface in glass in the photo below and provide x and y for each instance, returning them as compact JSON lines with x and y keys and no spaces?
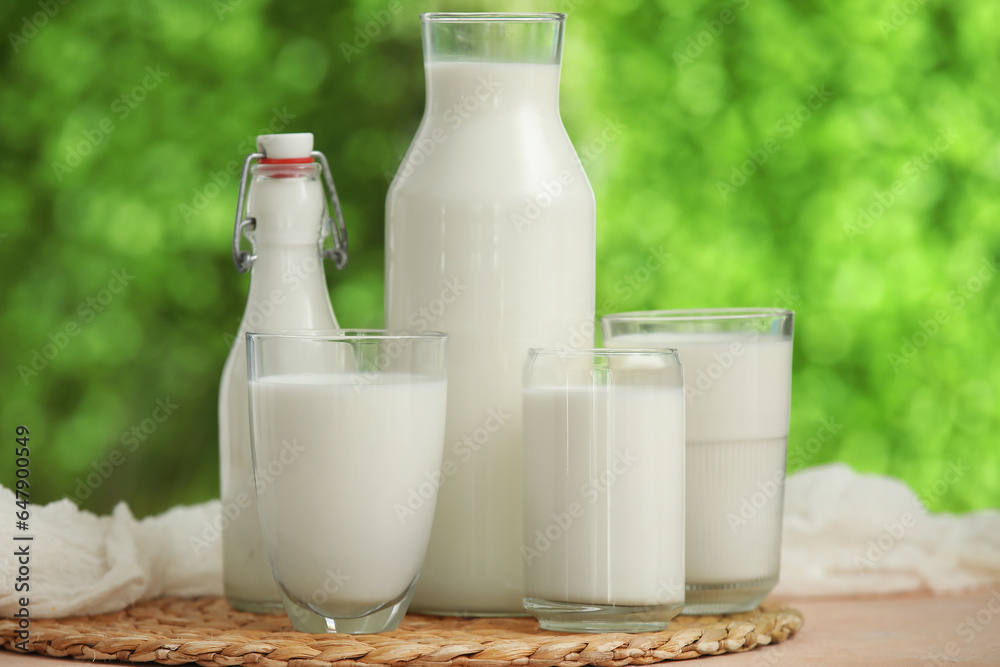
{"x":738,"y":388}
{"x":351,"y":448}
{"x":490,"y":238}
{"x":604,"y":472}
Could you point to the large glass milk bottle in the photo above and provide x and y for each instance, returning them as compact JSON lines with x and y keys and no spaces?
{"x":287,"y":220}
{"x":490,"y":237}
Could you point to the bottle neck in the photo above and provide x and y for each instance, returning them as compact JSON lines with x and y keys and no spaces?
{"x":287,"y":280}
{"x":501,"y":62}
{"x":287,"y":203}
{"x":288,"y":290}
{"x":460,"y":90}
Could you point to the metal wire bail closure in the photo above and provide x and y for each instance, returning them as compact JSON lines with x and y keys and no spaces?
{"x":338,"y":253}
{"x":337,"y":229}
{"x":241,"y":258}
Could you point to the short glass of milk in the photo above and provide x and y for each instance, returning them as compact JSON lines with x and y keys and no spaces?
{"x":738,"y":378}
{"x":603,"y":547}
{"x":347,"y":428}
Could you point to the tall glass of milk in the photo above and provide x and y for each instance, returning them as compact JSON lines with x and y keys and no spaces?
{"x":490,"y":237}
{"x":603,"y":546}
{"x":347,"y":429}
{"x":738,"y":380}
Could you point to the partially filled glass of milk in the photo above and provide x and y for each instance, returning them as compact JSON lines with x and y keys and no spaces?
{"x":738,"y":378}
{"x":347,"y":429}
{"x":603,"y":547}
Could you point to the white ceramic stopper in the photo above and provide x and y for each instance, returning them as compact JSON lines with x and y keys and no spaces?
{"x":285,"y":146}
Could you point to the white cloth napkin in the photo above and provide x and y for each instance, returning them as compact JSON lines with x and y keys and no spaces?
{"x":81,"y":563}
{"x":845,"y":534}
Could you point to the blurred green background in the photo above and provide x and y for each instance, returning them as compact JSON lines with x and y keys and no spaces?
{"x":838,"y":158}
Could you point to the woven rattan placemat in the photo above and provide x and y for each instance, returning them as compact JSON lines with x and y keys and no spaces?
{"x":206,"y":631}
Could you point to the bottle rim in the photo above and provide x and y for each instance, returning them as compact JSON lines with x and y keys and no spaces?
{"x":492,"y":17}
{"x":344,"y":335}
{"x":603,"y":352}
{"x":699,"y":314}
{"x":285,"y":169}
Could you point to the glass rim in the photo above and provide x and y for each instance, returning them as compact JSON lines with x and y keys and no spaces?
{"x":604,"y":351}
{"x":341,"y":335}
{"x":492,"y":17}
{"x":700,"y":314}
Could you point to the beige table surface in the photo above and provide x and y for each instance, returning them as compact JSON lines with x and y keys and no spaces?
{"x":895,"y":630}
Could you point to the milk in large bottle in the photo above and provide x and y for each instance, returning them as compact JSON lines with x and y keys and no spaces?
{"x":490,"y":237}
